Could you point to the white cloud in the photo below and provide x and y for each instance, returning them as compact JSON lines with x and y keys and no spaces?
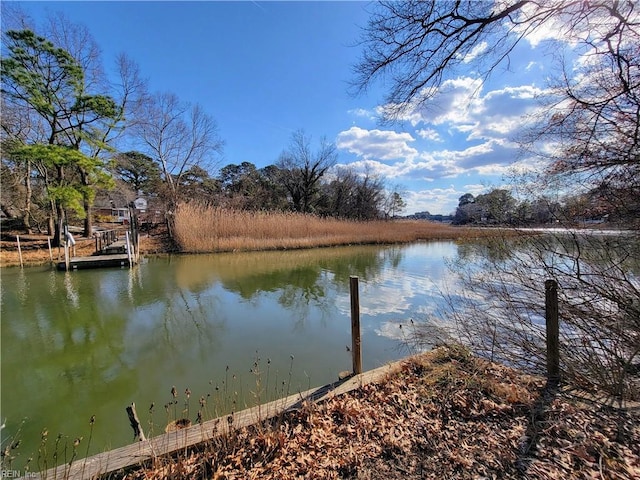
{"x":463,"y":129}
{"x":570,"y":27}
{"x":440,"y":200}
{"x":448,"y":103}
{"x":475,"y":52}
{"x":429,"y":134}
{"x":474,"y":189}
{"x":436,"y":200}
{"x":462,"y":106}
{"x":376,"y":144}
{"x":553,"y":28}
{"x":532,"y":64}
{"x":364,"y":113}
{"x":373,"y":167}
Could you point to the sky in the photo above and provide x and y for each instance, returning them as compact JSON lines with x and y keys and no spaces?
{"x":264,"y":70}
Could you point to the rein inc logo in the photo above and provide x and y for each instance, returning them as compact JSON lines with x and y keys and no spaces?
{"x":17,"y":474}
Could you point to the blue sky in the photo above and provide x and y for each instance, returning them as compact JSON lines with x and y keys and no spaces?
{"x":263,"y":70}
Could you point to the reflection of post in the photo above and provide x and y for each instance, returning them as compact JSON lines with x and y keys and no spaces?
{"x":19,"y":251}
{"x":355,"y":325}
{"x":128,"y":248}
{"x":553,"y":330}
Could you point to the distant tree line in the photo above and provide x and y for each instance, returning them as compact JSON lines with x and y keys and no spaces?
{"x":302,"y":180}
{"x":67,"y":129}
{"x":500,"y":207}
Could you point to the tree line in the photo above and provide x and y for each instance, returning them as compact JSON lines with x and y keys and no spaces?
{"x":66,"y":122}
{"x":500,"y":207}
{"x":301,"y":180}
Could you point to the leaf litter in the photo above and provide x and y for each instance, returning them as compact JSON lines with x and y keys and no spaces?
{"x":443,"y":414}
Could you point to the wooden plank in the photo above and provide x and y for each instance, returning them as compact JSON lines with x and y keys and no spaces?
{"x":134,"y":454}
{"x":117,"y":247}
{"x":96,"y":261}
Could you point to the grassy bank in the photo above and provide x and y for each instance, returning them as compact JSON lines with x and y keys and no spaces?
{"x":445,"y":414}
{"x":211,"y":229}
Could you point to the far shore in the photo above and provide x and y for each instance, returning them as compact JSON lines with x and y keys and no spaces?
{"x":226,"y":231}
{"x":247,"y":231}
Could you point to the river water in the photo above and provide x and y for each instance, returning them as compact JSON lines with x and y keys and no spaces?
{"x":234,"y":329}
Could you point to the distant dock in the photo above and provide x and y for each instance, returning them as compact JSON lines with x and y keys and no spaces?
{"x":97,"y":261}
{"x":111,"y":250}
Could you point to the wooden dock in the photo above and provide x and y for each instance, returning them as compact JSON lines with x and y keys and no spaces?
{"x":96,"y":261}
{"x":111,"y":251}
{"x":134,"y":454}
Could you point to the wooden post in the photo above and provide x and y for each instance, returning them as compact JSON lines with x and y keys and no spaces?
{"x":50,"y":252}
{"x":553,"y":330}
{"x":135,"y":423}
{"x":19,"y":251}
{"x":355,"y":326}
{"x":66,"y":250}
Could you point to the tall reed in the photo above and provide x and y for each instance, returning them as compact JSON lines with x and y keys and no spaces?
{"x":199,"y":228}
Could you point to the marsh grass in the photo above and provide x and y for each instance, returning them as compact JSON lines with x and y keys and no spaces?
{"x":221,"y":402}
{"x":199,"y":229}
{"x":59,"y":458}
{"x":54,"y":457}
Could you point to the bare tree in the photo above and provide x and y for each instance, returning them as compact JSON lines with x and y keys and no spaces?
{"x":592,"y":123}
{"x":415,"y":45}
{"x":302,"y":170}
{"x":179,"y":136}
{"x":498,"y":307}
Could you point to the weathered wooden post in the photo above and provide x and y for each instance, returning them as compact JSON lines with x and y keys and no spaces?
{"x":355,"y":326}
{"x":138,"y":432}
{"x":553,"y":330}
{"x":50,"y":252}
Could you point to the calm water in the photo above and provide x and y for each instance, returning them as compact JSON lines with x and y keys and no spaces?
{"x":90,"y":342}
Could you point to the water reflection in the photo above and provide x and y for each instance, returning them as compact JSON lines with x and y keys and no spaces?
{"x":88,"y":343}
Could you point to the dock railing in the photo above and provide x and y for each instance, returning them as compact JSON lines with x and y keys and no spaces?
{"x":104,"y":238}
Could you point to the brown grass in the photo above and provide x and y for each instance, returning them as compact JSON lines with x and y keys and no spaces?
{"x":212,"y":229}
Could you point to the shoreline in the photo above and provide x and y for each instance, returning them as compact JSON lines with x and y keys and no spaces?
{"x":160,"y":244}
{"x":440,"y":414}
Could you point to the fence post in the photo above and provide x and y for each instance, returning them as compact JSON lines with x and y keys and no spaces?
{"x":355,"y":325}
{"x":66,"y":249}
{"x":553,"y":330}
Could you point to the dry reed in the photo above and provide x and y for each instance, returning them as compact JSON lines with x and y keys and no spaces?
{"x":213,"y":229}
